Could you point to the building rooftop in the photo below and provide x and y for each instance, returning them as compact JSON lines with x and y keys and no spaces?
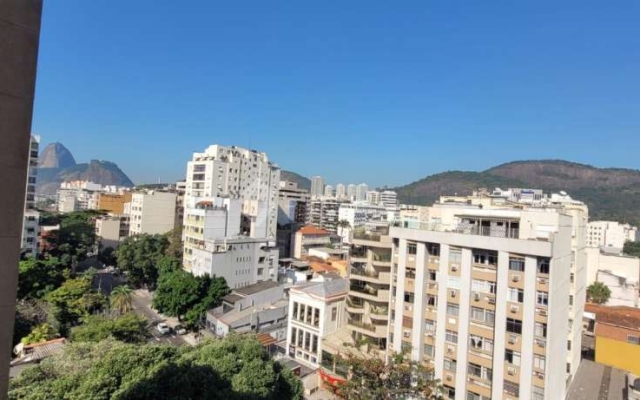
{"x":330,"y":287}
{"x":313,"y":230}
{"x":621,"y":316}
{"x":255,"y":288}
{"x":38,"y":351}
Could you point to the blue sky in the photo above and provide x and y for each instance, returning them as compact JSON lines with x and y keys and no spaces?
{"x":375,"y":91}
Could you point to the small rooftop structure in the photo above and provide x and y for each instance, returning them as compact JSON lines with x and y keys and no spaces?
{"x":313,"y":230}
{"x":37,"y":352}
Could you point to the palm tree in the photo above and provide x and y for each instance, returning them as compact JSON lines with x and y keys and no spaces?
{"x":598,"y":293}
{"x":342,"y":225}
{"x":121,"y":299}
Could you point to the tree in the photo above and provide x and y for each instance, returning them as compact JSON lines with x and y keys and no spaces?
{"x":127,"y":328}
{"x":233,"y":368}
{"x":138,"y":258}
{"x":175,"y":247}
{"x":371,"y":378}
{"x":73,"y":301}
{"x":343,"y":225}
{"x":121,"y":298}
{"x":631,"y":248}
{"x":36,"y":278}
{"x":107,"y":256}
{"x":29,"y":314}
{"x":39,"y":334}
{"x":598,"y":293}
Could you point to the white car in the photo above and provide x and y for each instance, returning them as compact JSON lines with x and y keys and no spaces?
{"x":163,"y":328}
{"x":180,"y":330}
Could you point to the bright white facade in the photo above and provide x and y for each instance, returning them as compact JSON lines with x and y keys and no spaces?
{"x":317,"y":186}
{"x":351,"y":192}
{"x":328,"y":191}
{"x":316,"y":309}
{"x":489,"y":294}
{"x":31,"y":217}
{"x":151,"y":212}
{"x":619,"y":272}
{"x":323,"y":212}
{"x":373,"y":197}
{"x":361,"y":192}
{"x":341,"y":191}
{"x":389,"y":199}
{"x":610,"y":234}
{"x":237,"y":173}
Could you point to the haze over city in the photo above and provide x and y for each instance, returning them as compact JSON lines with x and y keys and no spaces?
{"x":365,"y":91}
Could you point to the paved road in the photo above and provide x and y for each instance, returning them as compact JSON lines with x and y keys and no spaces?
{"x":142,"y":306}
{"x":598,"y":382}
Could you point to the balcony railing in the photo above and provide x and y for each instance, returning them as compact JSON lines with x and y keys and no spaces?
{"x":367,"y":236}
{"x":493,"y":231}
{"x":363,"y":272}
{"x":366,"y":290}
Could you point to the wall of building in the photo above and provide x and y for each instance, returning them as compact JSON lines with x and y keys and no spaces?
{"x":618,"y":353}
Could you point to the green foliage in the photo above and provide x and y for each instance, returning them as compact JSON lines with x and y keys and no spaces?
{"x":182,"y":294}
{"x":174,"y":250}
{"x":371,"y":378}
{"x":127,"y":328}
{"x":598,"y":293}
{"x":233,"y":368}
{"x":73,"y":301}
{"x":121,"y":299}
{"x":40,"y":333}
{"x":76,"y":237}
{"x":138,"y":256}
{"x":36,"y":278}
{"x":631,"y":248}
{"x":107,"y":256}
{"x":29,"y":314}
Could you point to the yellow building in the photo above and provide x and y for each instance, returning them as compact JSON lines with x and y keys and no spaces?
{"x":617,"y":332}
{"x":113,"y":202}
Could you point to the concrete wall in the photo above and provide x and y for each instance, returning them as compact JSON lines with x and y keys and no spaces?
{"x":19,"y":37}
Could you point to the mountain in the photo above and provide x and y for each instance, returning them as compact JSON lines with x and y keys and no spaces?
{"x":55,"y":155}
{"x":303,"y":182}
{"x":610,"y":193}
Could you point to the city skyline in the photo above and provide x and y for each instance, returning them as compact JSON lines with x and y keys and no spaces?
{"x":420,"y":89}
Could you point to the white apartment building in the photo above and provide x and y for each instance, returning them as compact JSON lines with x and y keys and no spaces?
{"x":619,"y":272}
{"x":341,"y":191}
{"x":389,"y":199}
{"x":151,"y":212}
{"x":328,"y":191}
{"x":112,"y":229}
{"x":30,"y":199}
{"x":316,"y":310}
{"x":609,"y":234}
{"x":317,"y":186}
{"x":242,"y":261}
{"x":489,"y":293}
{"x":323,"y":212}
{"x":361,"y":192}
{"x":31,"y":217}
{"x":351,"y":192}
{"x":373,"y":197}
{"x":358,"y":214}
{"x":238,"y":173}
{"x":412,"y":216}
{"x":78,"y":196}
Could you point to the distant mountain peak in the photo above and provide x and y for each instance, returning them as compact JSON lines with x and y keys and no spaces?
{"x":56,"y":155}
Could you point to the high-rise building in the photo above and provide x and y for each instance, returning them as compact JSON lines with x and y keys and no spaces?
{"x":490,"y":292}
{"x":317,"y":186}
{"x":361,"y":192}
{"x":351,"y":192}
{"x":31,"y":220}
{"x":610,"y":234}
{"x":389,"y":199}
{"x":373,"y":197}
{"x":151,"y":212}
{"x":238,"y":173}
{"x":323,"y":212}
{"x":341,"y":191}
{"x":328,"y":191}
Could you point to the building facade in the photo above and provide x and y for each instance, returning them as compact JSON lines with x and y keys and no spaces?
{"x":151,"y":212}
{"x":317,"y":186}
{"x":610,"y":234}
{"x":323,"y":212}
{"x":31,"y":219}
{"x":112,"y":229}
{"x":307,"y":238}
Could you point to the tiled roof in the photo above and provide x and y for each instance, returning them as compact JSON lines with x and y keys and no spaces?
{"x":324,"y":289}
{"x":313,"y":230}
{"x":626,"y":317}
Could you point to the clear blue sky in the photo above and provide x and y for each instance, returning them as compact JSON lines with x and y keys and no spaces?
{"x":376,"y":91}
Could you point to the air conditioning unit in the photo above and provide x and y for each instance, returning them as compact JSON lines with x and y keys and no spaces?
{"x":449,"y":377}
{"x":515,"y":278}
{"x":541,"y":343}
{"x":512,"y":339}
{"x":514,"y":309}
{"x":542,"y":281}
{"x":430,"y":334}
{"x":449,"y":349}
{"x":542,"y":312}
{"x":492,"y":300}
{"x":454,"y":268}
{"x":540,"y":375}
{"x":476,"y":296}
{"x":511,"y":371}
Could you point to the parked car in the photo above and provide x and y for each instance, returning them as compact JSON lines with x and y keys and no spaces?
{"x":180,"y":330}
{"x":163,"y":328}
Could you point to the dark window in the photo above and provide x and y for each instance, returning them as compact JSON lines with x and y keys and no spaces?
{"x":412,"y":248}
{"x":514,"y":326}
{"x":408,"y":297}
{"x":516,"y":264}
{"x":543,"y":265}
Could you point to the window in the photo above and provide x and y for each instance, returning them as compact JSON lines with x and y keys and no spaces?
{"x":334,"y":314}
{"x":514,"y":326}
{"x":474,"y":396}
{"x":451,"y":337}
{"x":454,"y":282}
{"x":432,"y":300}
{"x":293,"y":336}
{"x":512,"y":389}
{"x":316,"y":316}
{"x":633,"y":339}
{"x":516,"y":264}
{"x":569,"y":345}
{"x":453,"y":309}
{"x":540,"y":330}
{"x":483,"y":286}
{"x":480,"y":343}
{"x":430,"y":326}
{"x":455,"y":255}
{"x":512,"y":357}
{"x":412,"y":248}
{"x":542,"y":299}
{"x":543,"y":265}
{"x":485,"y":257}
{"x":482,"y":315}
{"x":515,"y":295}
{"x":429,"y":350}
{"x":408,"y":297}
{"x":479,"y":371}
{"x":539,"y":362}
{"x":433,"y":249}
{"x":448,"y":392}
{"x":450,"y":365}
{"x":406,"y":334}
{"x":537,"y":393}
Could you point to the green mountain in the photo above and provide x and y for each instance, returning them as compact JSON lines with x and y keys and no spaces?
{"x":303,"y":182}
{"x":610,"y":193}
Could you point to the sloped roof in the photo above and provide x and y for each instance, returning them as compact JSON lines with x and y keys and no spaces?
{"x":324,"y":289}
{"x":625,"y":317}
{"x":313,"y":230}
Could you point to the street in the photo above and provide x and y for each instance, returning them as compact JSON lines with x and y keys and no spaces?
{"x":141,"y":302}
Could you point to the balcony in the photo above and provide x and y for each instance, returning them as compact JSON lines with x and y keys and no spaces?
{"x":375,"y":330}
{"x":472,"y":225}
{"x":369,"y":293}
{"x":371,"y":275}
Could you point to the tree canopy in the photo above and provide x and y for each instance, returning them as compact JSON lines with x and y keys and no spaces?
{"x":631,"y":248}
{"x":76,"y":237}
{"x":138,"y":256}
{"x":181,"y":294}
{"x":128,"y":328}
{"x":598,"y":293}
{"x":236,"y":367}
{"x":36,"y":278}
